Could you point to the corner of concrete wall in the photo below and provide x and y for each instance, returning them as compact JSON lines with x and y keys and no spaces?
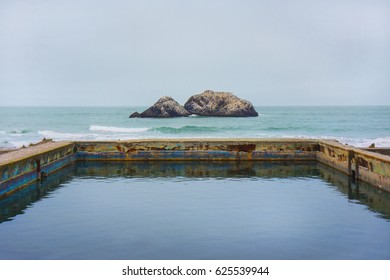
{"x":21,"y":167}
{"x":357,"y":163}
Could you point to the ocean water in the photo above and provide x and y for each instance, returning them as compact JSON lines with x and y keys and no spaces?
{"x":358,"y":126}
{"x":196,"y":210}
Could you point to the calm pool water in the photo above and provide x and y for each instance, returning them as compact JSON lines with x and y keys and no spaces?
{"x":214,"y":210}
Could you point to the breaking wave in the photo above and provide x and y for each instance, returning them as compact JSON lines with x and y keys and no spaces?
{"x":20,"y":131}
{"x":187,"y":129}
{"x":366,"y":142}
{"x":116,"y":129}
{"x":356,"y":142}
{"x":65,"y":136}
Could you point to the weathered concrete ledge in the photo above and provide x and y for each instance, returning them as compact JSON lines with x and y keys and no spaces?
{"x":23,"y":166}
{"x":383,"y":151}
{"x":360,"y":164}
{"x":199,"y":149}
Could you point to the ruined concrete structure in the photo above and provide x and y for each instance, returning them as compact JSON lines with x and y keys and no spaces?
{"x":19,"y":168}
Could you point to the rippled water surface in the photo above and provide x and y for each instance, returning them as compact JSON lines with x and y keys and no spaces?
{"x":196,"y":211}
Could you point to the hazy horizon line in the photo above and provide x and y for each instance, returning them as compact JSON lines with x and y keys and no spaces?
{"x":124,"y":106}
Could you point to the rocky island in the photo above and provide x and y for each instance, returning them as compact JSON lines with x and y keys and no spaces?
{"x":219,"y":104}
{"x":208,"y":103}
{"x":165,"y":107}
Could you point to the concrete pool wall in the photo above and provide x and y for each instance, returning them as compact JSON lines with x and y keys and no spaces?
{"x":20,"y":167}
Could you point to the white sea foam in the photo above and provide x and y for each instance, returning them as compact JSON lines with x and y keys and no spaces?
{"x":356,"y":142}
{"x":117,"y":129}
{"x":366,"y":142}
{"x":86,"y":136}
{"x":17,"y":144}
{"x":118,"y":133}
{"x":65,"y":136}
{"x":20,"y":131}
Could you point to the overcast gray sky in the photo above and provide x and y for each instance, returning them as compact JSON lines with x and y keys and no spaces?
{"x":122,"y":52}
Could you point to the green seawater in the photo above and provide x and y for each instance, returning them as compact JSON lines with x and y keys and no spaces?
{"x":358,"y":126}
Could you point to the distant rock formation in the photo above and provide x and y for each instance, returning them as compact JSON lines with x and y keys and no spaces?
{"x":208,"y":103}
{"x":165,"y":107}
{"x":220,"y":104}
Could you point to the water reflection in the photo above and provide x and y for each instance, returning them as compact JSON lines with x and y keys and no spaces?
{"x":34,"y":192}
{"x":376,"y":200}
{"x":200,"y":169}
